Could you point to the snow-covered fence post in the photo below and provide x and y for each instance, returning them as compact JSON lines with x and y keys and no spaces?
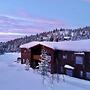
{"x":27,"y":65}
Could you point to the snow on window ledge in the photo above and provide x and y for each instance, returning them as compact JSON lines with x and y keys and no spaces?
{"x":68,"y":66}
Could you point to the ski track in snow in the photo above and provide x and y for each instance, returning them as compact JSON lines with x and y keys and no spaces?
{"x":13,"y":76}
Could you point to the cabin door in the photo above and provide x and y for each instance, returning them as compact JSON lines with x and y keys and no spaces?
{"x":69,"y":72}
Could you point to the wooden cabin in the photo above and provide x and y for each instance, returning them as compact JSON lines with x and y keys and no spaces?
{"x":33,"y":54}
{"x":67,"y":57}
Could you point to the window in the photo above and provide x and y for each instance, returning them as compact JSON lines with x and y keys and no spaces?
{"x":69,"y":72}
{"x":64,"y":56}
{"x":79,"y":60}
{"x":88,"y":75}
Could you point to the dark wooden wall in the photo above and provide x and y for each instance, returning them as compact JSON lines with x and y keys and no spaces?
{"x":87,"y":61}
{"x":31,"y":54}
{"x":63,"y":58}
{"x":79,"y":67}
{"x":59,"y":58}
{"x":25,"y":55}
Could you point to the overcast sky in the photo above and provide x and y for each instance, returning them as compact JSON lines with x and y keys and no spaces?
{"x":25,"y":17}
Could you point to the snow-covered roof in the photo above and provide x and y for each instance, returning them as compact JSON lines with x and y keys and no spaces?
{"x":69,"y":67}
{"x":34,"y":43}
{"x":81,"y":45}
{"x":81,"y":53}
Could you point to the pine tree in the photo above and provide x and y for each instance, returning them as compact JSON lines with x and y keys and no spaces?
{"x":44,"y":66}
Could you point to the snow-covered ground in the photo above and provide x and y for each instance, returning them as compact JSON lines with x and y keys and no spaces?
{"x":13,"y":76}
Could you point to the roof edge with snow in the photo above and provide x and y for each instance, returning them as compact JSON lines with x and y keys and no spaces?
{"x":81,"y":45}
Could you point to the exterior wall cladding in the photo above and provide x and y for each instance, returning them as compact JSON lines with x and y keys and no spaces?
{"x":79,"y":61}
{"x":59,"y":58}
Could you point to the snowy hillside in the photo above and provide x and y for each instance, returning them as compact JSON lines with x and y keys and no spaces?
{"x":13,"y":76}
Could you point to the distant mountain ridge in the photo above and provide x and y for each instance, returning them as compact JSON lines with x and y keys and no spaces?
{"x":55,"y":35}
